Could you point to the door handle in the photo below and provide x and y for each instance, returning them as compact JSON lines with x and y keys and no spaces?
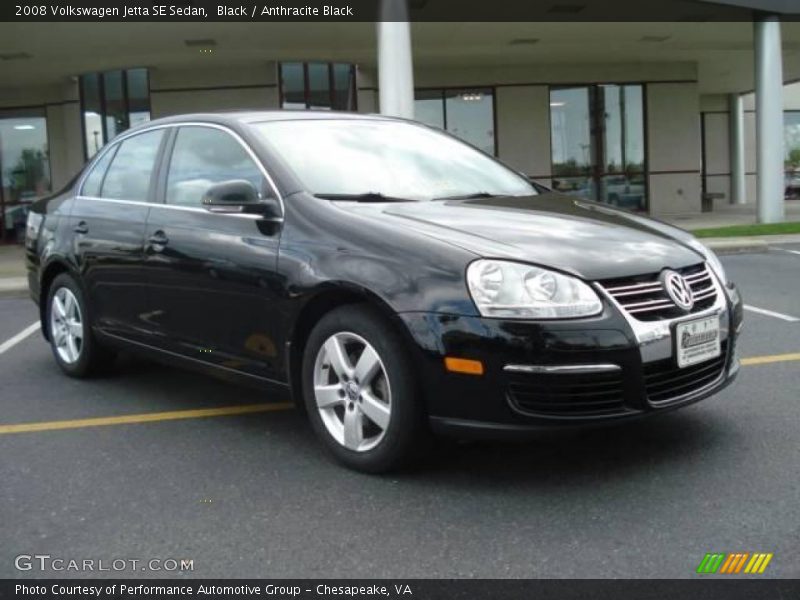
{"x":159,"y":238}
{"x":81,"y":227}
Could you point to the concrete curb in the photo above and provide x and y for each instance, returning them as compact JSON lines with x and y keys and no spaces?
{"x":735,"y":245}
{"x":13,"y":286}
{"x":723,"y":246}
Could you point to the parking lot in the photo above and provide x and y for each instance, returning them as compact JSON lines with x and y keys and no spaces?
{"x":151,"y":462}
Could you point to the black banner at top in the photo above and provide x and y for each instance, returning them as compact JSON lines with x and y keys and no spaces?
{"x":395,"y":10}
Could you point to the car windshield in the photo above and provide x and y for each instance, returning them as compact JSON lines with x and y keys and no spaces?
{"x":373,"y":160}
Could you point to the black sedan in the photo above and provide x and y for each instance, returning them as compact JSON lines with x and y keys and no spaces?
{"x":396,"y":280}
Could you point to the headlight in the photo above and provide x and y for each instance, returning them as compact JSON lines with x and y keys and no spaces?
{"x":517,"y":291}
{"x":712,"y":260}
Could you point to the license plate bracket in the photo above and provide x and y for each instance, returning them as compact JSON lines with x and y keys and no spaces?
{"x":697,"y":341}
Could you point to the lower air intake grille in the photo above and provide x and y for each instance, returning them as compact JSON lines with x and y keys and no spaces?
{"x":664,"y":381}
{"x":549,"y":394}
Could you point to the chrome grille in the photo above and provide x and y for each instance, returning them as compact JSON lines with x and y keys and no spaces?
{"x":645,"y":298}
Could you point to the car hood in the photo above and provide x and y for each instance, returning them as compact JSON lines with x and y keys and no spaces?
{"x":585,"y":238}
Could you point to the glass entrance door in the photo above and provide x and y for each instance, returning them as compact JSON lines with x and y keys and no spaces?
{"x":598,"y":149}
{"x":24,"y":167}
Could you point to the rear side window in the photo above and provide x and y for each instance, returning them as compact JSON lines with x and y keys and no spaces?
{"x":93,"y":181}
{"x":131,"y":170}
{"x":204,"y":156}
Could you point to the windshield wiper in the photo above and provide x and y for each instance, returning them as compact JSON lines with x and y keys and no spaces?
{"x":470,"y":196}
{"x":365,"y":197}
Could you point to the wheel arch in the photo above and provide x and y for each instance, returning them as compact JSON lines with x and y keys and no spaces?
{"x":325,"y":300}
{"x":53,"y":269}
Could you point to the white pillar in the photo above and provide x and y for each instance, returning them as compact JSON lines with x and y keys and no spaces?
{"x":395,"y":67}
{"x":769,"y":118}
{"x":736,"y":135}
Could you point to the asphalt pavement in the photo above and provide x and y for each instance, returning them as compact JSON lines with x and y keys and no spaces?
{"x":254,"y":495}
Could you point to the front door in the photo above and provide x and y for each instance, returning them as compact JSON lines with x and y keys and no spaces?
{"x":211,"y":276}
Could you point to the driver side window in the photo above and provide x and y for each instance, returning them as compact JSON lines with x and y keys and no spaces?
{"x":204,"y":156}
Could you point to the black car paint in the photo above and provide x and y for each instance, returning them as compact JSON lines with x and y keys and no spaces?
{"x":238,"y":295}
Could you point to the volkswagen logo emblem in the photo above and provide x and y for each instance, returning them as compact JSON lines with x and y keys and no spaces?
{"x":352,"y":390}
{"x":678,"y":290}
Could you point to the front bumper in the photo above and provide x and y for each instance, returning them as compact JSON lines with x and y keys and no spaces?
{"x":563,"y":373}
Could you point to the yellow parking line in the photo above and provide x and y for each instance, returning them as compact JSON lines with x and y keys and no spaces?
{"x":244,"y":409}
{"x":764,"y":360}
{"x":173,"y":415}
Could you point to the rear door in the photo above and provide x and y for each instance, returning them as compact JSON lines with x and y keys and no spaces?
{"x":108,"y":220}
{"x":211,"y":276}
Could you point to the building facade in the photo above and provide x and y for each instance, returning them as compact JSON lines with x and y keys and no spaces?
{"x":636,"y":115}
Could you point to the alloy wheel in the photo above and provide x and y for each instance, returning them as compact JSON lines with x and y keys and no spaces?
{"x":352,"y":392}
{"x":66,"y":325}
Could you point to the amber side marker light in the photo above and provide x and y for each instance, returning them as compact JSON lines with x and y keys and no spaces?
{"x":463,"y":365}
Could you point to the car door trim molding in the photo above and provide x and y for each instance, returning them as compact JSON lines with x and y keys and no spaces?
{"x":250,"y":216}
{"x":193,"y":360}
{"x":122,"y":137}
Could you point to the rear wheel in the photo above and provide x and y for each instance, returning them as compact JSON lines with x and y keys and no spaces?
{"x":67,"y":321}
{"x":360,"y":391}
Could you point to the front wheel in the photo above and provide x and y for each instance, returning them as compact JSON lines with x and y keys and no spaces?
{"x":360,"y":391}
{"x":69,"y":332}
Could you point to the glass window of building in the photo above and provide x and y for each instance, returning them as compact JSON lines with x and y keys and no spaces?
{"x":112,"y":102}
{"x":466,"y":113}
{"x":598,"y":150}
{"x":24,"y":167}
{"x":115,"y":113}
{"x":429,"y":107}
{"x":573,"y":153}
{"x":318,"y":86}
{"x":792,"y":156}
{"x":138,"y":97}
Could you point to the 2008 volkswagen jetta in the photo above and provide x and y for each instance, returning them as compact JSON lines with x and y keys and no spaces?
{"x":395,"y":279}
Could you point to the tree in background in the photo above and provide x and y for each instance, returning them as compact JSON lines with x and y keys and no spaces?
{"x":793,"y":160}
{"x":29,"y":173}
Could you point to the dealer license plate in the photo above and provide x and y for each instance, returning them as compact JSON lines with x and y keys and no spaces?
{"x":697,"y":341}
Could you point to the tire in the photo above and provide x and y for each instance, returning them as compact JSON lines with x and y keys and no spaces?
{"x":70,"y":318}
{"x":374,"y":424}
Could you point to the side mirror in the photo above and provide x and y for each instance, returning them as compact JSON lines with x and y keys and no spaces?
{"x":540,"y":188}
{"x":239,"y":196}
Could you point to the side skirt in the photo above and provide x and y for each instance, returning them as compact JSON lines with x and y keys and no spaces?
{"x":184,"y":362}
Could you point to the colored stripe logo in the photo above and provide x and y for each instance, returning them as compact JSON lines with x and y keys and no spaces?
{"x":734,"y":563}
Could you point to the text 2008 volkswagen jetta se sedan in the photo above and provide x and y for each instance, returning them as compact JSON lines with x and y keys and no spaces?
{"x":396,"y":280}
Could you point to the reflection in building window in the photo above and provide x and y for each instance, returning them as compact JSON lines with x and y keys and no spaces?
{"x":24,"y":167}
{"x":466,"y":113}
{"x":573,"y":153}
{"x":318,"y":86}
{"x":791,"y":136}
{"x":597,"y":134}
{"x":623,"y":181}
{"x":112,"y":102}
